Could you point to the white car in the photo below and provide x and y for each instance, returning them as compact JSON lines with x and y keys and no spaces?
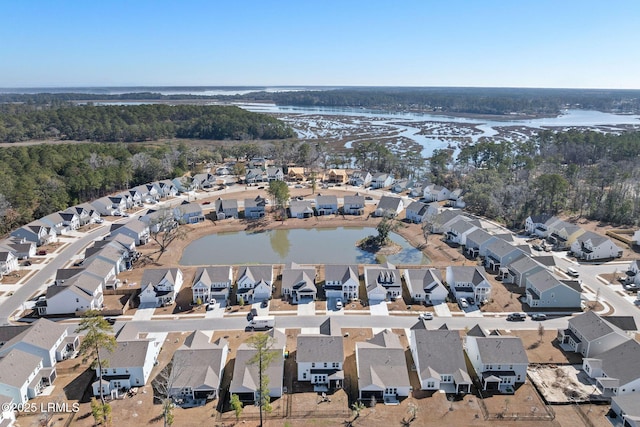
{"x":339,"y":304}
{"x":463,"y":303}
{"x":426,"y":316}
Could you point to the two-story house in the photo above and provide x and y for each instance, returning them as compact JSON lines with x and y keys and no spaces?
{"x":389,"y":206}
{"x":520,"y":269}
{"x":300,"y":209}
{"x":360,"y":178}
{"x":381,"y":180}
{"x":320,"y":357}
{"x":591,"y":246}
{"x":382,"y":282}
{"x":544,"y":290}
{"x":615,"y":371}
{"x":134,"y":228}
{"x":275,"y":173}
{"x":327,"y":205}
{"x":501,"y":253}
{"x":254,"y":208}
{"x":458,"y":231}
{"x":160,"y":286}
{"x":299,"y":283}
{"x":255,"y":283}
{"x":468,"y":282}
{"x":416,"y":212}
{"x":341,"y":281}
{"x":590,"y":334}
{"x":353,"y":205}
{"x":425,"y":285}
{"x":188,"y":213}
{"x":22,"y":376}
{"x":435,"y":193}
{"x":227,"y":208}
{"x":212,"y":283}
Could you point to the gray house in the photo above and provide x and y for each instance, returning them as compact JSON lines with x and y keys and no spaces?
{"x":327,"y":205}
{"x":389,"y":206}
{"x":590,"y":334}
{"x":299,"y":283}
{"x":544,"y":290}
{"x":254,"y":208}
{"x":353,"y":205}
{"x":227,"y":208}
{"x":520,"y":269}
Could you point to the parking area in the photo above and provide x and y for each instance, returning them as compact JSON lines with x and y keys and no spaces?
{"x":144,"y":312}
{"x":379,"y":309}
{"x":332,"y":307}
{"x":307,"y":309}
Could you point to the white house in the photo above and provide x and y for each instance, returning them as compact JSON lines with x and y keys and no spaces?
{"x":198,"y":368}
{"x":634,"y":272}
{"x":425,"y":285}
{"x":382,"y":282}
{"x":360,"y":178}
{"x":417,"y":212}
{"x":389,"y":206}
{"x":227,"y":208}
{"x":626,"y":407}
{"x":300,"y":209}
{"x":353,"y":205}
{"x":299,"y":283}
{"x":254,"y":208}
{"x":22,"y":376}
{"x":383,"y":375}
{"x":39,"y":234}
{"x":275,"y":174}
{"x":341,"y":281}
{"x":467,"y":282}
{"x":439,"y":359}
{"x":160,"y":286}
{"x":255,"y":283}
{"x":616,"y":370}
{"x":78,"y":294}
{"x":381,"y":180}
{"x":500,"y":362}
{"x":537,"y":224}
{"x":320,"y":357}
{"x":212,"y":283}
{"x":8,"y":262}
{"x":435,"y":193}
{"x":134,"y":228}
{"x":591,"y":246}
{"x":327,"y":205}
{"x":188,"y":213}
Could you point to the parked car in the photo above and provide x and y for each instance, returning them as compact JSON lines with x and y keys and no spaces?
{"x":206,"y":203}
{"x":463,"y":303}
{"x":99,"y":221}
{"x":41,"y":252}
{"x":264,"y":304}
{"x":339,"y":304}
{"x":110,"y":320}
{"x":572,"y":272}
{"x":261,"y":187}
{"x":514,"y":317}
{"x":211,"y":305}
{"x":538,"y":247}
{"x":426,"y":316}
{"x":539,"y":316}
{"x":471,"y":301}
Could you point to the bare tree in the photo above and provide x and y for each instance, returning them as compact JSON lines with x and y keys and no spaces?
{"x":164,"y":229}
{"x":262,"y":343}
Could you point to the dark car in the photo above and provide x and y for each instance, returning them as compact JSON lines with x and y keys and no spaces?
{"x":264,"y":304}
{"x":110,"y":320}
{"x":539,"y":316}
{"x":514,"y":317}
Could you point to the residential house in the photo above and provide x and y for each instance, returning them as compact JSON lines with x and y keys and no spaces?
{"x":501,"y":253}
{"x":160,"y":286}
{"x":21,"y":248}
{"x":35,"y":232}
{"x":79,"y":293}
{"x":634,"y":272}
{"x":626,"y":407}
{"x":203,"y":181}
{"x":353,"y":205}
{"x":135,"y":196}
{"x":544,"y":290}
{"x":7,"y":415}
{"x":467,"y":281}
{"x":299,"y":283}
{"x":341,"y":281}
{"x":616,"y":370}
{"x":425,"y":285}
{"x":382,"y":283}
{"x":418,"y":189}
{"x":435,"y":193}
{"x":227,"y":208}
{"x":327,"y":205}
{"x":8,"y":262}
{"x":245,"y":382}
{"x":417,"y":212}
{"x":300,"y":209}
{"x":255,"y":283}
{"x":444,"y":218}
{"x":381,"y":180}
{"x":337,"y":176}
{"x":137,"y":230}
{"x":56,"y":222}
{"x":23,"y":377}
{"x":167,"y":189}
{"x":500,"y":362}
{"x":47,"y":340}
{"x":197,"y":368}
{"x":188,"y":213}
{"x":401,"y":185}
{"x":83,"y":215}
{"x":458,"y":231}
{"x":389,"y":206}
{"x":320,"y":357}
{"x":223,"y":170}
{"x":159,"y":219}
{"x":479,"y":240}
{"x":275,"y":173}
{"x":438,"y":356}
{"x":360,"y":178}
{"x":590,"y":335}
{"x":212,"y":283}
{"x":537,"y":224}
{"x":296,"y":174}
{"x":105,"y":206}
{"x":93,"y":215}
{"x":149,"y":193}
{"x":563,"y":234}
{"x":254,"y":175}
{"x":70,"y":220}
{"x":128,"y":365}
{"x":520,"y":269}
{"x":591,"y":246}
{"x":383,"y":375}
{"x":254,"y":208}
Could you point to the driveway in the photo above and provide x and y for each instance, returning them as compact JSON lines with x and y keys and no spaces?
{"x":144,"y":312}
{"x":331,"y":307}
{"x":217,"y":312}
{"x":307,"y":309}
{"x":379,"y":309}
{"x":442,"y":309}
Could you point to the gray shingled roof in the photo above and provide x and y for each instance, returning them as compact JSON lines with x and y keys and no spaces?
{"x":257,"y":272}
{"x":126,"y":354}
{"x":381,"y":362}
{"x":16,"y":366}
{"x":591,"y":326}
{"x":327,"y":200}
{"x":543,"y":281}
{"x":467,"y":274}
{"x":357,"y":199}
{"x":388,"y":203}
{"x":43,"y":333}
{"x":197,"y":365}
{"x":441,"y":351}
{"x":155,"y":275}
{"x":320,"y":348}
{"x":214,"y":274}
{"x":245,"y":376}
{"x":501,"y":350}
{"x":622,"y":361}
{"x":523,"y":264}
{"x":340,"y":272}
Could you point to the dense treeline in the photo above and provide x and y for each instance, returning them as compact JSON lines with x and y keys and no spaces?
{"x":116,"y":123}
{"x":469,"y":100}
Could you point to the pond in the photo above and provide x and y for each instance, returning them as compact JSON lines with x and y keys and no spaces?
{"x":304,"y":246}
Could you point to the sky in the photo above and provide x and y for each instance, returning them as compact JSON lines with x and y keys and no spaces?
{"x":507,"y":43}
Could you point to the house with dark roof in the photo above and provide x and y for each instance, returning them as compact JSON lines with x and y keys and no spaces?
{"x":590,"y":334}
{"x":417,"y":212}
{"x":520,"y":269}
{"x":160,"y":286}
{"x":477,"y":242}
{"x":197,"y":369}
{"x":255,"y":283}
{"x":439,"y":359}
{"x":320,"y":357}
{"x":382,"y":282}
{"x":254,"y":175}
{"x":353,"y":205}
{"x":327,"y":205}
{"x":299,"y":283}
{"x":212,"y":283}
{"x":341,"y":281}
{"x":615,"y":371}
{"x":246,"y":376}
{"x":458,"y":231}
{"x":500,"y":362}
{"x":383,"y":375}
{"x":591,"y":246}
{"x":468,"y":282}
{"x":389,"y":206}
{"x":425,"y":285}
{"x":544,"y":290}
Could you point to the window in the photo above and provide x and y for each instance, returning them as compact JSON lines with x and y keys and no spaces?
{"x":313,"y":365}
{"x":304,"y":375}
{"x":325,"y":364}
